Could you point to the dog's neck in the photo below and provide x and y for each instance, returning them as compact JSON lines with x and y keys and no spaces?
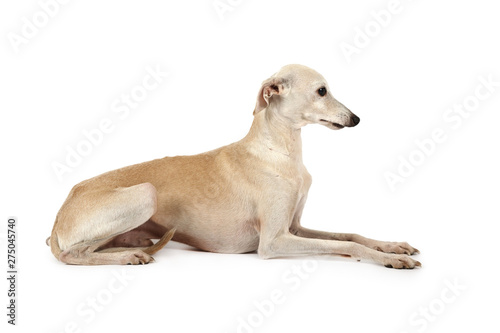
{"x":271,"y":132}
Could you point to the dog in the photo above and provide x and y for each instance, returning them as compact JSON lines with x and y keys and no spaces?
{"x":244,"y":197}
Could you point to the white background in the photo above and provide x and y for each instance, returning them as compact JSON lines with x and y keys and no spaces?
{"x":426,"y":59}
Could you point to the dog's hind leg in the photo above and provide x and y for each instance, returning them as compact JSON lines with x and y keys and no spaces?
{"x":89,"y":253}
{"x":137,"y":237}
{"x":90,"y":219}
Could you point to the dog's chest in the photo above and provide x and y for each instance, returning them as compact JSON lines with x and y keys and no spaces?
{"x":306,"y":181}
{"x":296,"y":179}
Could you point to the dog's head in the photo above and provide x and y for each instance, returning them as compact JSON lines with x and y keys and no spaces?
{"x":301,"y":96}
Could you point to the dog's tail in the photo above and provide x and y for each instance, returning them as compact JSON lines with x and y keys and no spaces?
{"x":53,"y":242}
{"x":161,"y":243}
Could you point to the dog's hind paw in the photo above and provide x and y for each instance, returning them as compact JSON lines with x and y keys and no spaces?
{"x":138,"y":258}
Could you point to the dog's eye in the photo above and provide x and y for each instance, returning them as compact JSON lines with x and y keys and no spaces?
{"x":322,"y":91}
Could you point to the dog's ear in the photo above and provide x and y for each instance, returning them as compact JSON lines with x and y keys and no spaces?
{"x":272,"y":86}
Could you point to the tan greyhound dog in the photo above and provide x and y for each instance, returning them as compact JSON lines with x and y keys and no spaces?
{"x":247,"y":196}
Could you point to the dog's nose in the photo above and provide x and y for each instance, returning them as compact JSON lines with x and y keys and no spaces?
{"x":355,"y":120}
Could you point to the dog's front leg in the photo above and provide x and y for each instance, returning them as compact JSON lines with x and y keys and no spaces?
{"x":276,"y":242}
{"x":388,"y":247}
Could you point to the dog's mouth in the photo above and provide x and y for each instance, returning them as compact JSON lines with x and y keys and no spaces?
{"x":331,"y":124}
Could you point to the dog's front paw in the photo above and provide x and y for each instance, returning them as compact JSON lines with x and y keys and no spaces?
{"x":400,"y":261}
{"x":396,"y":247}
